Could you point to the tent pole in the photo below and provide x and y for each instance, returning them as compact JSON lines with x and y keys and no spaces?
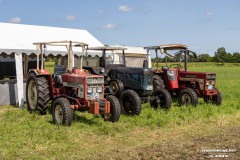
{"x":19,"y":77}
{"x":25,"y":64}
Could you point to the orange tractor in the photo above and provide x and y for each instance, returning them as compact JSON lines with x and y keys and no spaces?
{"x":187,"y":85}
{"x":68,"y":88}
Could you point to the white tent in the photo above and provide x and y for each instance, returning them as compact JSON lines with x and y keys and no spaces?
{"x":18,"y":38}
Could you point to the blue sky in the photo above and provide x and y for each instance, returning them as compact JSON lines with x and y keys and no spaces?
{"x":203,"y":25}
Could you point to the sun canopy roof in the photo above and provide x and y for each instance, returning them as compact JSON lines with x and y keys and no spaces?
{"x":106,"y":48}
{"x":168,"y":47}
{"x":173,"y":46}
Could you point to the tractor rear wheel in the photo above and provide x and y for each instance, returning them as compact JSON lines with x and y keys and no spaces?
{"x":116,"y":87}
{"x":130,"y":103}
{"x":115,"y":109}
{"x":158,"y":82}
{"x":37,"y":94}
{"x":163,"y":99}
{"x":62,"y":112}
{"x":187,"y":97}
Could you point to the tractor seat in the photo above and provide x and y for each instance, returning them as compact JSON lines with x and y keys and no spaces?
{"x":58,"y":71}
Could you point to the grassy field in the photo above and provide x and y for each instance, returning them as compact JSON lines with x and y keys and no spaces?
{"x":180,"y":133}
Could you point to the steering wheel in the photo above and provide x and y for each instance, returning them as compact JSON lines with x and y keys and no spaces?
{"x":176,"y":66}
{"x":109,"y":61}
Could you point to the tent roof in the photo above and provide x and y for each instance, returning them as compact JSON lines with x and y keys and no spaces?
{"x":19,"y":38}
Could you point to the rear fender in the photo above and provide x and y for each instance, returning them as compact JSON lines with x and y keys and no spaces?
{"x":39,"y":72}
{"x":171,"y":76}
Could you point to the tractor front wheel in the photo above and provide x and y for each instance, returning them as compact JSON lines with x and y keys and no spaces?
{"x":37,"y":94}
{"x":115,"y":109}
{"x":216,"y":99}
{"x":130,"y":103}
{"x":187,"y":97}
{"x":163,"y":99}
{"x":62,"y":112}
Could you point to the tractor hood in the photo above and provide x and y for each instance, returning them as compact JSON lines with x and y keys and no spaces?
{"x":139,"y":79}
{"x":195,"y":74}
{"x":206,"y":80}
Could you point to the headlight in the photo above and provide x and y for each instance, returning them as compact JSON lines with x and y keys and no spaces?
{"x":102,"y":70}
{"x":170,"y":72}
{"x":149,"y":87}
{"x":89,"y":90}
{"x":99,"y":89}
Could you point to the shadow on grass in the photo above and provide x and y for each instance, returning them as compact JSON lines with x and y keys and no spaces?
{"x":78,"y":119}
{"x":82,"y":119}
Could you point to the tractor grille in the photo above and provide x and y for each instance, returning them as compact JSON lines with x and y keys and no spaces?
{"x":95,"y":80}
{"x":211,"y":76}
{"x":95,"y":87}
{"x":210,"y":82}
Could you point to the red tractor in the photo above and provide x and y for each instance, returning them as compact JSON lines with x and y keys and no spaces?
{"x":187,"y":85}
{"x":68,"y":89}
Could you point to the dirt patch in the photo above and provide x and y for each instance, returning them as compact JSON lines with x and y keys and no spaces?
{"x":220,"y":143}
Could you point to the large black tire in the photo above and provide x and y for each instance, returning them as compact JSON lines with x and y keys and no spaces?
{"x":158,"y":82}
{"x":62,"y":112}
{"x":217,"y":99}
{"x":115,"y":109}
{"x":130,"y":103}
{"x":163,"y":99}
{"x":116,"y":87}
{"x":187,"y":97}
{"x":37,"y":94}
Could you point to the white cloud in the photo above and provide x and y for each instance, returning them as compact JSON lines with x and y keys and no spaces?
{"x":124,"y":8}
{"x":209,"y":13}
{"x":15,"y":20}
{"x":70,"y":18}
{"x":109,"y":26}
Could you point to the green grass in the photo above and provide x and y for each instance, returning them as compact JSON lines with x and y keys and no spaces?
{"x":152,"y":135}
{"x":50,"y":66}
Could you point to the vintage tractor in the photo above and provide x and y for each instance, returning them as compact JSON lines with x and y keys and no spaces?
{"x":132,"y":86}
{"x":187,"y":85}
{"x":68,"y":89}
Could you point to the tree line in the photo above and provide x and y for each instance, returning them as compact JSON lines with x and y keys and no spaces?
{"x":221,"y":55}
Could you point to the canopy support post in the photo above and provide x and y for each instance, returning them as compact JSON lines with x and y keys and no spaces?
{"x":19,"y":77}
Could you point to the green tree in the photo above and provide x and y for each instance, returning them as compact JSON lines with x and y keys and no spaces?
{"x":236,"y":57}
{"x":221,"y":55}
{"x":204,"y":58}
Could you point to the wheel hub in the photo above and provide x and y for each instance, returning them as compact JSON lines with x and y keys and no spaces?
{"x":32,"y":91}
{"x":59,"y":114}
{"x":114,"y":87}
{"x":186,"y":99}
